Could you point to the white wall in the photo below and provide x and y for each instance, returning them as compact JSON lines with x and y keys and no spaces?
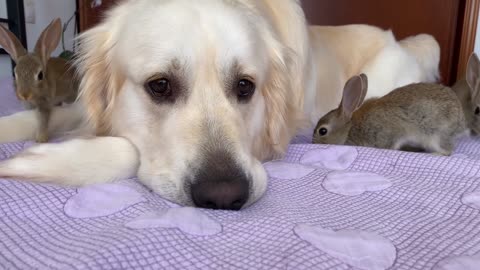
{"x":45,"y":12}
{"x":3,"y":8}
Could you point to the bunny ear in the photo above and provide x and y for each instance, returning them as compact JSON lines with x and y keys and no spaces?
{"x":364,"y":88}
{"x":48,"y":40}
{"x":352,"y":95}
{"x":11,"y":44}
{"x":473,"y":74}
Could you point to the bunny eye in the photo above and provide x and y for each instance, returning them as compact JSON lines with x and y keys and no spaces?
{"x":322,"y":131}
{"x":477,"y":111}
{"x":40,"y":76}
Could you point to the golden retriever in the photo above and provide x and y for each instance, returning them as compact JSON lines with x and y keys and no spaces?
{"x":192,"y":96}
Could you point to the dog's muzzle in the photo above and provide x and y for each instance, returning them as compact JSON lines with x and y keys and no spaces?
{"x":220,"y":183}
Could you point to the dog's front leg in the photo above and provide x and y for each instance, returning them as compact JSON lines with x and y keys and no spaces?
{"x":75,"y":162}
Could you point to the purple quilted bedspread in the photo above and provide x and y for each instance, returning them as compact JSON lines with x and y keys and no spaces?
{"x":327,"y":207}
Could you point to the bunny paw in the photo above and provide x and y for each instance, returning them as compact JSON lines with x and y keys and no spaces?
{"x":41,"y":137}
{"x":442,"y":148}
{"x":442,"y":153}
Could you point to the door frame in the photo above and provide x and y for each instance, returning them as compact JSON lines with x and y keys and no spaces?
{"x":467,"y":35}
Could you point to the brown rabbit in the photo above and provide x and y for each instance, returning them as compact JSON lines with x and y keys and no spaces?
{"x":41,"y":82}
{"x":417,"y":116}
{"x":467,"y":91}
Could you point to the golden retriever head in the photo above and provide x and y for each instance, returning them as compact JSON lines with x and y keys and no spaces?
{"x":201,"y":88}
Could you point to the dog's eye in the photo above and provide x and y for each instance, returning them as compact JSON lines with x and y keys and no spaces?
{"x":245,"y":90}
{"x":40,"y":76}
{"x":322,"y":131}
{"x":477,"y":111}
{"x":159,"y":88}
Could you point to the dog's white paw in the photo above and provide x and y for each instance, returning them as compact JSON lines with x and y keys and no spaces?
{"x":74,"y":163}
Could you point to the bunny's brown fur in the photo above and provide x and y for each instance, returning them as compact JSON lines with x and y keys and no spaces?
{"x":41,"y":82}
{"x":421,"y":115}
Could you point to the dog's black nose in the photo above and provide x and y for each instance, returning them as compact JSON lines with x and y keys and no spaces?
{"x":225,"y":195}
{"x":220,"y":183}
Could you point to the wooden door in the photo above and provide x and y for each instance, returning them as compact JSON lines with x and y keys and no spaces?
{"x":91,"y":12}
{"x":452,"y":22}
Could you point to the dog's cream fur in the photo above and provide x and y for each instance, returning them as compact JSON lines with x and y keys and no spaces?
{"x":299,"y":72}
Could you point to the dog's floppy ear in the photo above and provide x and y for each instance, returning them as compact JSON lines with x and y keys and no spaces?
{"x":283,"y":117}
{"x":101,"y":80}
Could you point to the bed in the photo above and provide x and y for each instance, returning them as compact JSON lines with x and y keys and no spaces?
{"x":327,"y":207}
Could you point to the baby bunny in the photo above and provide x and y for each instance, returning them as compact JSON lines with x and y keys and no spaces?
{"x":417,"y":116}
{"x":41,"y":82}
{"x":467,"y":91}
